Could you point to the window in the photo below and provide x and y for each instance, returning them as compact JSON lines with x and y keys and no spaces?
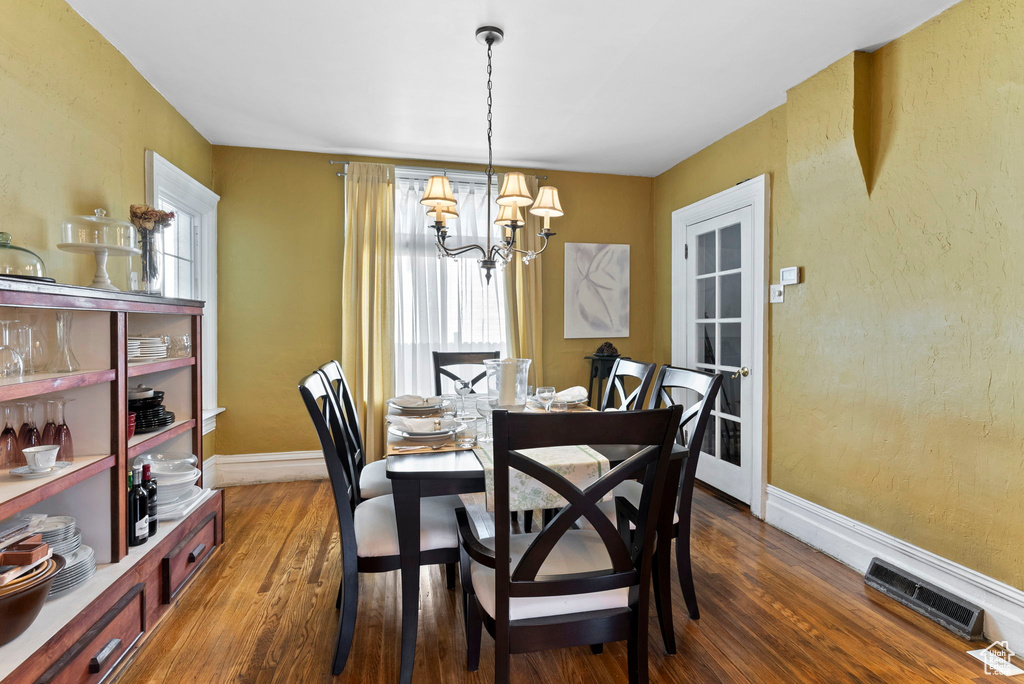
{"x":442,"y":304}
{"x":190,"y":256}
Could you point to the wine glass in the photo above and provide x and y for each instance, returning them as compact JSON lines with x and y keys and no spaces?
{"x":49,"y":436}
{"x":28,"y":435}
{"x":67,"y":447}
{"x":463,"y":389}
{"x":546,"y":395}
{"x":485,"y":406}
{"x":10,"y":452}
{"x":11,"y":364}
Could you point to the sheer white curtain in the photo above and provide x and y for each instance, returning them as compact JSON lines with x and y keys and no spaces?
{"x":442,"y":304}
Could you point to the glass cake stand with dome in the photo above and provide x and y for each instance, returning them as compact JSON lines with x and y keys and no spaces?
{"x":100,"y":236}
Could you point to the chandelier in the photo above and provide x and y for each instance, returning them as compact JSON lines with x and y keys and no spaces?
{"x":514,"y":196}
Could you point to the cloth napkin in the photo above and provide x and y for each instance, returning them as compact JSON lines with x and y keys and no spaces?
{"x":572,"y":395}
{"x":581,"y":465}
{"x":413,"y":425}
{"x":413,"y":401}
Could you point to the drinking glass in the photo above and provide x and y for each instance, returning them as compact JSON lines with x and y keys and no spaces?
{"x":10,"y":452}
{"x":28,"y":342}
{"x":465,"y":437}
{"x":67,"y":447}
{"x":28,"y":435}
{"x":448,"y":405}
{"x":546,"y":395}
{"x":181,"y":347}
{"x":559,"y":407}
{"x":11,"y":364}
{"x":463,"y":389}
{"x":485,"y":406}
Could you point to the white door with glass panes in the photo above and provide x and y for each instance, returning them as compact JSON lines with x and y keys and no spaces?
{"x":718,"y":325}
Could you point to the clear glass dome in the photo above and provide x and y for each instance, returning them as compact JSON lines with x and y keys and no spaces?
{"x":99,"y":229}
{"x":18,"y":261}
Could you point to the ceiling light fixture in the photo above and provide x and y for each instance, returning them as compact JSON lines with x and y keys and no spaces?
{"x":514,"y":195}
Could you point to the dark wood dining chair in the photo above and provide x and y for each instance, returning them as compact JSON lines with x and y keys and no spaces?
{"x":566,"y":587}
{"x":615,"y":394}
{"x":443,"y":361}
{"x":687,"y":384}
{"x":368,"y":529}
{"x":369,"y":479}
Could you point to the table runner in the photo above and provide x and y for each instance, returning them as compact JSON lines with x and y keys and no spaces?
{"x":581,"y":465}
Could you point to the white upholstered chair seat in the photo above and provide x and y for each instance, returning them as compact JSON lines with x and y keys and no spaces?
{"x":373,"y":480}
{"x":377,"y":530}
{"x":576,"y":551}
{"x":631,"y":490}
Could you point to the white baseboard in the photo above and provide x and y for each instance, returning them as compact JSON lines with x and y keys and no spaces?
{"x":210,"y":472}
{"x":243,"y":469}
{"x":855,"y":544}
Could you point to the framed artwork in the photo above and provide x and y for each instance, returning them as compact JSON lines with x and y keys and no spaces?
{"x":596,"y":290}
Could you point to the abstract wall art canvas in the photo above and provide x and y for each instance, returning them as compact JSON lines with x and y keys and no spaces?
{"x":596,"y":290}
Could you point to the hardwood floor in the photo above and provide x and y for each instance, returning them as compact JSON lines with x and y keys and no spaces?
{"x":772,"y":610}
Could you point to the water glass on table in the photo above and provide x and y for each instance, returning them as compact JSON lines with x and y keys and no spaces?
{"x":559,"y":407}
{"x":448,"y":405}
{"x":546,"y":395}
{"x":465,"y":435}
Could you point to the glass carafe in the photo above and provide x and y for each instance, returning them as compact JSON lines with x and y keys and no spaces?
{"x":28,"y":435}
{"x":64,"y":360}
{"x":67,"y":447}
{"x":10,"y":452}
{"x":49,"y":436}
{"x":507,"y":381}
{"x":31,"y":341}
{"x":11,"y":364}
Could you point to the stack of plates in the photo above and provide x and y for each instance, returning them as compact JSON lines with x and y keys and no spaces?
{"x":80,"y":566}
{"x":180,"y":506}
{"x":67,"y":545}
{"x":413,"y":405}
{"x":146,"y":348}
{"x":176,"y":475}
{"x":57,"y":529}
{"x":152,"y":419}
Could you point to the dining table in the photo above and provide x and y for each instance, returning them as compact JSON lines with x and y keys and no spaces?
{"x":426,"y":472}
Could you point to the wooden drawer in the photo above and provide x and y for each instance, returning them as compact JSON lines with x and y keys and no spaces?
{"x":94,"y":655}
{"x":187,"y":556}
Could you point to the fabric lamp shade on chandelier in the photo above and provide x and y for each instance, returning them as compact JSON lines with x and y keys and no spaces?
{"x":513,"y":196}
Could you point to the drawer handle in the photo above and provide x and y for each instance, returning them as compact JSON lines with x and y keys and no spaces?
{"x":97,"y":661}
{"x":195,"y":553}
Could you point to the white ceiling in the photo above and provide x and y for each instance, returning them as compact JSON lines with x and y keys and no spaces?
{"x":585,"y":85}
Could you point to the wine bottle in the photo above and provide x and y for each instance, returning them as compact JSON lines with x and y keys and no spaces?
{"x":149,"y":484}
{"x":138,"y":510}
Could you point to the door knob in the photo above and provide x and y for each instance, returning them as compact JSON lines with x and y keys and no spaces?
{"x":742,"y":371}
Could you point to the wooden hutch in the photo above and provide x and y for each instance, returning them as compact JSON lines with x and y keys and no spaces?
{"x":90,"y":633}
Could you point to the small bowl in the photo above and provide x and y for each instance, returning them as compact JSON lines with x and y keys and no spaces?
{"x":41,"y":458}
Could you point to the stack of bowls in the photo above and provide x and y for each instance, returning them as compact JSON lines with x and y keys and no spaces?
{"x":23,"y":598}
{"x":150,"y":413}
{"x":176,"y":475}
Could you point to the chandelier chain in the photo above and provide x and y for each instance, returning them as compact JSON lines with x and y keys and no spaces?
{"x":490,"y":131}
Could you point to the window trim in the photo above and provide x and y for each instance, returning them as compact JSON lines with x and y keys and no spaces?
{"x":164,"y":178}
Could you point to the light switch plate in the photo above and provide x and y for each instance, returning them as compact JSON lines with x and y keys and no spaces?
{"x":776,"y":294}
{"x":789,"y":276}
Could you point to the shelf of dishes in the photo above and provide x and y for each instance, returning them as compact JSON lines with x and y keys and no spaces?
{"x":143,"y":349}
{"x":18,"y":492}
{"x":82,"y":581}
{"x":141,"y":443}
{"x":137,"y":368}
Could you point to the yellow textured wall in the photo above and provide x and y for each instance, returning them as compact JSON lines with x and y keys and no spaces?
{"x":75,"y":122}
{"x":279,"y":231}
{"x":894,"y":375}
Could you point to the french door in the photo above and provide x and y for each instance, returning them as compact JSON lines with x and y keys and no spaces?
{"x":718,"y":328}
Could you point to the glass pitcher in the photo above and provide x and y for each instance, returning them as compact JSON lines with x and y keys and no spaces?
{"x":507,"y":381}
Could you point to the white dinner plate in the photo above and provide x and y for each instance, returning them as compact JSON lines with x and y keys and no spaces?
{"x":440,"y":435}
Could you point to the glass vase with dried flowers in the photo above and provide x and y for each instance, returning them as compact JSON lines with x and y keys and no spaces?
{"x":151,"y":223}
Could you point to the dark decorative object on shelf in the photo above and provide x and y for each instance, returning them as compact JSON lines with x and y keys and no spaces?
{"x":607,"y":349}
